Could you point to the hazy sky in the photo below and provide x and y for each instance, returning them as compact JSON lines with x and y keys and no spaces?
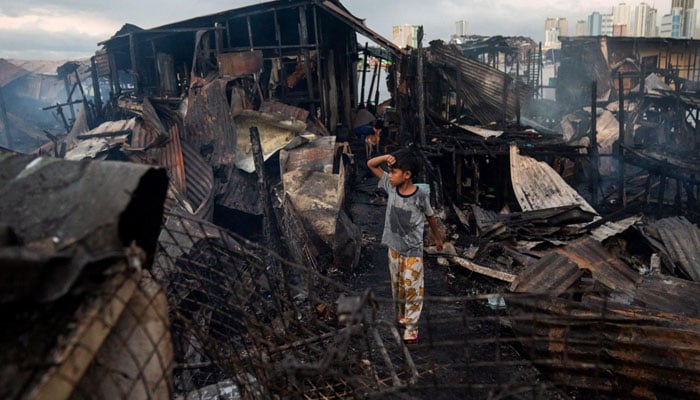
{"x":64,"y":29}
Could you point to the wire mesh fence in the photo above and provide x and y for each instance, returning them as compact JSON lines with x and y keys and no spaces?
{"x":218,"y":317}
{"x":248,"y":323}
{"x":277,"y":329}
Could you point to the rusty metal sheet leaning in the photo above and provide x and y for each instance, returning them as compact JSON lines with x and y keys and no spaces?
{"x":69,"y":214}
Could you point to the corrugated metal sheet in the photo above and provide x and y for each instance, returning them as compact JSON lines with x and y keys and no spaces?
{"x":142,"y":135}
{"x":200,"y":182}
{"x":121,"y":125}
{"x":681,"y":241}
{"x":10,"y":72}
{"x":73,"y":214}
{"x":605,"y":268}
{"x":483,"y":132}
{"x":242,"y":193}
{"x":644,"y":333}
{"x":93,"y":148}
{"x":334,"y":8}
{"x":601,"y":345}
{"x":315,"y":192}
{"x":235,"y":64}
{"x":102,"y":63}
{"x":275,"y":131}
{"x":275,"y":107}
{"x":669,"y":294}
{"x":481,"y":86}
{"x":553,"y":273}
{"x":315,"y":156}
{"x":169,"y":153}
{"x":209,"y":125}
{"x":170,"y":156}
{"x":613,"y":228}
{"x":537,"y":186}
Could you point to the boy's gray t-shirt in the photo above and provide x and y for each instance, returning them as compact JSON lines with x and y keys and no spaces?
{"x":405,"y":219}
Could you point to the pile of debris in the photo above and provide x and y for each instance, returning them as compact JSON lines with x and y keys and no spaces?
{"x":82,"y":314}
{"x":604,"y":284}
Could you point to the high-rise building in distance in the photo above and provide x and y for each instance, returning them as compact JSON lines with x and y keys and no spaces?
{"x":405,"y":35}
{"x":595,"y":21}
{"x":461,"y":28}
{"x":553,"y":28}
{"x":681,"y":21}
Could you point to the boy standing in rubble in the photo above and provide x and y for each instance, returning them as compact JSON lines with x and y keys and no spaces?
{"x":407,"y":209}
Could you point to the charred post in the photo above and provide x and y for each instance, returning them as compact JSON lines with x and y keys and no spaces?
{"x":593,"y":149}
{"x":97,"y":96}
{"x":263,"y":188}
{"x":371,"y":88}
{"x":421,"y":88}
{"x":364,"y":74}
{"x":621,"y":140}
{"x":5,"y":134}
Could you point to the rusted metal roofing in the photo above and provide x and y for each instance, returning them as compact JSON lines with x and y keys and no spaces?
{"x":613,"y":228}
{"x":317,"y":196}
{"x":554,"y":273}
{"x":199,"y":179}
{"x":209,"y":124}
{"x":242,"y":193}
{"x":605,"y":346}
{"x":275,"y":134}
{"x":640,"y":331}
{"x":605,"y":268}
{"x":71,"y":214}
{"x":484,"y":89}
{"x":537,"y":186}
{"x":10,"y":72}
{"x":333,"y":7}
{"x":170,"y":156}
{"x":114,"y":126}
{"x":680,"y":239}
{"x":483,"y":132}
{"x":669,"y":294}
{"x":94,"y":148}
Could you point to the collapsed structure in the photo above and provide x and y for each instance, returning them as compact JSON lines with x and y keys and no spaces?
{"x":248,"y":112}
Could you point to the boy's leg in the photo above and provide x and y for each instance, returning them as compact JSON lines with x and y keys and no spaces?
{"x":413,"y":282}
{"x":397,"y":291}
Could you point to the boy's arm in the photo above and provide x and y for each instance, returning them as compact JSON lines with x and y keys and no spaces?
{"x":436,"y":233}
{"x":374,"y":163}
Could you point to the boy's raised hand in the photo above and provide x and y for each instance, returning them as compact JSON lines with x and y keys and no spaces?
{"x":373,"y":164}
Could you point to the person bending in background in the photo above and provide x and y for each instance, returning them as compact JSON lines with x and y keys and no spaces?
{"x":407,"y":209}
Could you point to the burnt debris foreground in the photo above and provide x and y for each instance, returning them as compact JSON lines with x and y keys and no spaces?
{"x":213,"y":264}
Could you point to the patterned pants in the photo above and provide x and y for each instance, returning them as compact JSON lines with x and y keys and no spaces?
{"x":407,"y":288}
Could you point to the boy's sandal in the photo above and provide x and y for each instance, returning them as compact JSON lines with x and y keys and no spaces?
{"x":410,"y":337}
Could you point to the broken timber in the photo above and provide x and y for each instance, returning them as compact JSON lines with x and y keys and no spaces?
{"x":490,"y":272}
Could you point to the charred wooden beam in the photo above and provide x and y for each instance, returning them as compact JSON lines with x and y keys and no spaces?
{"x":133,"y":52}
{"x":5,"y":129}
{"x":621,"y":141}
{"x":304,"y":40}
{"x":97,"y":96}
{"x":364,"y":73}
{"x":421,"y":88}
{"x":105,"y":134}
{"x":263,"y":189}
{"x":371,"y":87}
{"x":379,"y":73}
{"x":593,"y":149}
